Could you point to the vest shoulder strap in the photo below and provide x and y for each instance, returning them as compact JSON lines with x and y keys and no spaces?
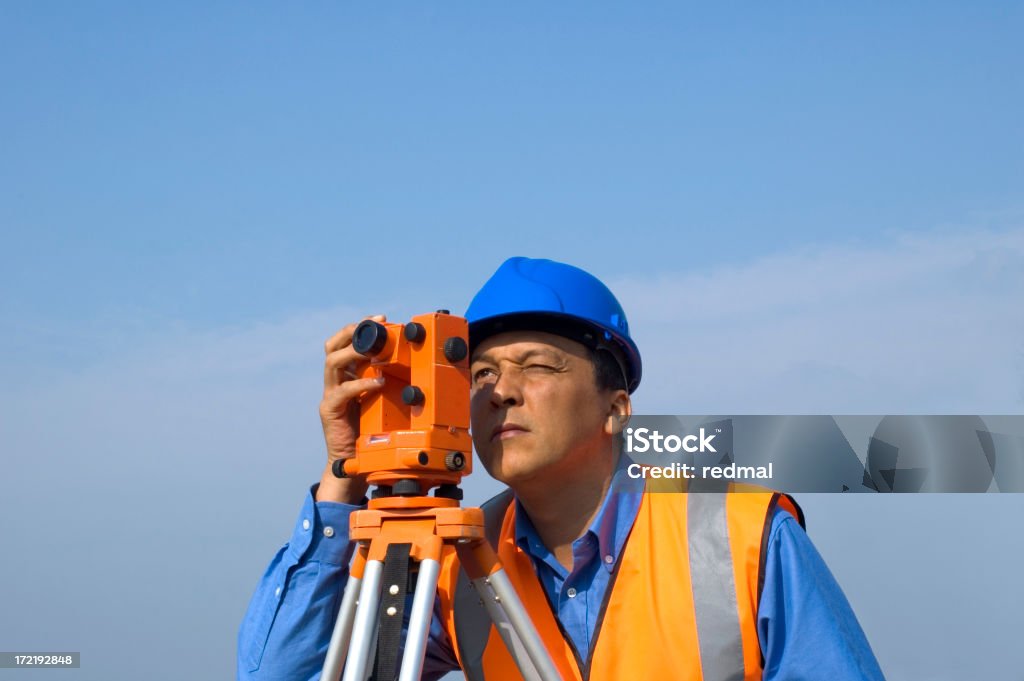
{"x":494,"y":515}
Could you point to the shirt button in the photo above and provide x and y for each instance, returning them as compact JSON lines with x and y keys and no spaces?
{"x":277,"y":592}
{"x":328,"y":531}
{"x":609,"y":560}
{"x":305,"y":523}
{"x":570,"y":592}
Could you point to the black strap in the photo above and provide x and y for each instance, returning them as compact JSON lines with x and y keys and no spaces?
{"x":392,"y":611}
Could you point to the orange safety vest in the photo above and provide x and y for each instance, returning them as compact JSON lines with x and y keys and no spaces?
{"x":681,"y":603}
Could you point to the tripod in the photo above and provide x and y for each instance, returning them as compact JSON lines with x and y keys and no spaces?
{"x":404,"y":535}
{"x":418,"y":529}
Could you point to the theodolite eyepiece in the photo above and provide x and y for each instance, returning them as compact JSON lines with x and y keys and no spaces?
{"x":370,"y":338}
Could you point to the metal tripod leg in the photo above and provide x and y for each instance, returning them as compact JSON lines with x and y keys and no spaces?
{"x":513,"y":624}
{"x":337,"y":650}
{"x":365,"y":624}
{"x":419,"y":620}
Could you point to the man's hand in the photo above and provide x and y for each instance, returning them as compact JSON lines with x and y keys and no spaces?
{"x":339,"y":413}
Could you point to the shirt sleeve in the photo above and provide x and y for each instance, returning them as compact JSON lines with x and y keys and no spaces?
{"x":806,"y":627}
{"x":288,"y":625}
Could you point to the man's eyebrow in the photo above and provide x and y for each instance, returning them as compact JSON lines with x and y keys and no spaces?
{"x":532,"y":352}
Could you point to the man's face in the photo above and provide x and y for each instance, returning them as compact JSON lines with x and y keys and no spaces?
{"x":536,"y":408}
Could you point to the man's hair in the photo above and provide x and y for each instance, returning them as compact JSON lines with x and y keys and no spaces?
{"x":607,"y":369}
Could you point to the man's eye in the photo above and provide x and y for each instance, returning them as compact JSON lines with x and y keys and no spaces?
{"x":539,"y":367}
{"x":483,"y":375}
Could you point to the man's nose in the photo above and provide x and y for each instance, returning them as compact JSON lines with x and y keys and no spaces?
{"x":507,"y":389}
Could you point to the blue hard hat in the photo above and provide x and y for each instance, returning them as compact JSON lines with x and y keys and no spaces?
{"x":544,"y":295}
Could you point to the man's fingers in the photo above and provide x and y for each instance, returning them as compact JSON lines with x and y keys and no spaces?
{"x":336,"y":366}
{"x":337,"y":397}
{"x":344,"y":337}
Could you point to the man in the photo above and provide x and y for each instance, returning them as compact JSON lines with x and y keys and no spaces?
{"x":620,"y":583}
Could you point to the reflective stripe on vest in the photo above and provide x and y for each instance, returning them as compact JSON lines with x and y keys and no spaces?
{"x":714,"y":588}
{"x":711,"y":647}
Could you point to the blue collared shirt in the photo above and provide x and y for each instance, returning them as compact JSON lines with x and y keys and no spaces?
{"x":805,"y":624}
{"x":576,"y":596}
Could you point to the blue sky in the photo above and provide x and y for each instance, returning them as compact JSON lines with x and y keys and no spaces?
{"x":803,"y":209}
{"x":234,"y":161}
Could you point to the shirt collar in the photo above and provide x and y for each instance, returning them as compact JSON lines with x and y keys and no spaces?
{"x":611,"y":525}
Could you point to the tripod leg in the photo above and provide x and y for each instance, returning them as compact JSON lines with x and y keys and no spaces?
{"x":504,"y":606}
{"x":501,"y":622}
{"x":365,"y":625}
{"x":506,"y":611}
{"x":338,"y":648}
{"x":419,"y":620}
{"x":373,"y":648}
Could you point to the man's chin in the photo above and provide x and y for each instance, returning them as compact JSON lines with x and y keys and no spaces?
{"x":506,"y":467}
{"x":516,"y":476}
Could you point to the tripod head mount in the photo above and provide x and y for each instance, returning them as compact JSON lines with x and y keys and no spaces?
{"x":414,"y":432}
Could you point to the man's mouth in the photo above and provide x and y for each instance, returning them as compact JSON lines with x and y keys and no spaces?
{"x":507,"y":430}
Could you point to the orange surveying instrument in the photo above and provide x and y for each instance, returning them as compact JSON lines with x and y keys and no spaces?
{"x":414,"y":437}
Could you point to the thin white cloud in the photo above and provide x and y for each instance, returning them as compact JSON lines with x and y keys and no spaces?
{"x":920,"y":323}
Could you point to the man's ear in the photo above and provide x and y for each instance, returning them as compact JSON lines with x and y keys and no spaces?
{"x":620,"y":408}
